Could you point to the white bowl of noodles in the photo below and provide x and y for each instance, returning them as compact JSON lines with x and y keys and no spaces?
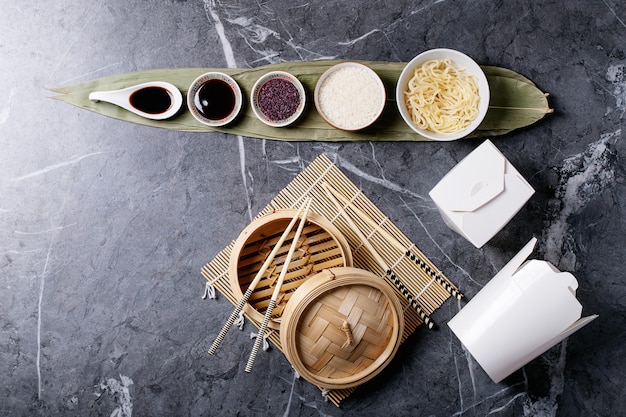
{"x":442,"y":94}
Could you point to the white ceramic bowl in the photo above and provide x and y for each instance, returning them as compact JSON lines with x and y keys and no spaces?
{"x":460,"y":60}
{"x":214,"y":99}
{"x":272,"y":116}
{"x":350,"y":106}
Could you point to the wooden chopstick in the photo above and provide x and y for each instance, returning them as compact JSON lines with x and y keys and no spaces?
{"x":399,"y":285}
{"x":222,"y":334}
{"x":278,"y":285}
{"x":425,"y":266}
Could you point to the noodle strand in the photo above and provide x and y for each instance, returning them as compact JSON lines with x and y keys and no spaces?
{"x":442,"y":98}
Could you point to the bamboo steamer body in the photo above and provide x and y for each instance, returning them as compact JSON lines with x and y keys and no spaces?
{"x":321,"y":246}
{"x":316,"y":340}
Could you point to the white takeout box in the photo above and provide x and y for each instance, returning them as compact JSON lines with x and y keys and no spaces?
{"x":479,"y":196}
{"x":520,"y":314}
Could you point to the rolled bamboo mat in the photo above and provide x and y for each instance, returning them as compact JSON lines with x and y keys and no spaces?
{"x":424,"y":281}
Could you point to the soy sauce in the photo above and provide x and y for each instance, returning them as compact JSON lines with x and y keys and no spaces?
{"x":215,"y":99}
{"x":152,"y":100}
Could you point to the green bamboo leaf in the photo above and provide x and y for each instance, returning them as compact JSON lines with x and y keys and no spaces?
{"x":515,"y":102}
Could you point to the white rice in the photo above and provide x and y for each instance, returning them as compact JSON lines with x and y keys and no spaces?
{"x":350,"y":98}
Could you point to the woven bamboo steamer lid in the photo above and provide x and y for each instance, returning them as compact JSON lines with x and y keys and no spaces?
{"x":315,"y":340}
{"x":322,"y":246}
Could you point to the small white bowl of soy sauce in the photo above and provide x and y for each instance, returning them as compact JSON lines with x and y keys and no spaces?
{"x":214,"y":99}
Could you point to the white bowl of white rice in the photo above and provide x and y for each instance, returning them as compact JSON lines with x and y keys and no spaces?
{"x":350,"y":96}
{"x":443,"y":94}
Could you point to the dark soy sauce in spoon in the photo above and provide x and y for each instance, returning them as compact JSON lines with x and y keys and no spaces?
{"x":152,"y":100}
{"x":215,"y":99}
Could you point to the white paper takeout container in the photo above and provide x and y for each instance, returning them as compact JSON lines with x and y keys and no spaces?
{"x":526,"y":309}
{"x":481,"y":194}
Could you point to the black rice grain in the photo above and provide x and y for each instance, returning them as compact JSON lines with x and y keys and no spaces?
{"x":278,"y":99}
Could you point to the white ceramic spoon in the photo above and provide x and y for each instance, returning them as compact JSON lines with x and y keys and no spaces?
{"x":156,"y":100}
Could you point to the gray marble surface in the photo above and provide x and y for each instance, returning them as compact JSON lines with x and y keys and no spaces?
{"x":104,"y":225}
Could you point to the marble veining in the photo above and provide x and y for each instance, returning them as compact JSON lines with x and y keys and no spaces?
{"x":119,"y":390}
{"x":104,"y":225}
{"x":615,"y":74}
{"x":57,"y":165}
{"x":6,"y":110}
{"x":581,"y":178}
{"x":42,"y":280}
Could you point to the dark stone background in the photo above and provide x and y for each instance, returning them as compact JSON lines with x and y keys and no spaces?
{"x":104,"y":225}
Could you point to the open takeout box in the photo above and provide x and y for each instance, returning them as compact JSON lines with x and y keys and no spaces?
{"x":481,"y":194}
{"x":526,"y":309}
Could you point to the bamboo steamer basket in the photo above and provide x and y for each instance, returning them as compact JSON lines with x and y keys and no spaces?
{"x":314,"y":336}
{"x":321,"y":246}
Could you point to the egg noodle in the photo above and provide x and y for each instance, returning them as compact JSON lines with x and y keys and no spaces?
{"x":442,"y":98}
